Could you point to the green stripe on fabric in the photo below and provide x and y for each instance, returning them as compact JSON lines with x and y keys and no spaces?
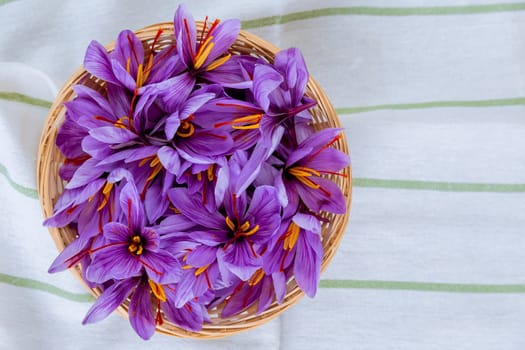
{"x":18,"y":97}
{"x":424,"y":286}
{"x":518,"y":101}
{"x":29,"y":192}
{"x":437,"y":186}
{"x":382,"y":11}
{"x":326,"y":284}
{"x":45,"y":287}
{"x":3,"y":2}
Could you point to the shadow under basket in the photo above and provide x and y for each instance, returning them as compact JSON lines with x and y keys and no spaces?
{"x":50,"y":185}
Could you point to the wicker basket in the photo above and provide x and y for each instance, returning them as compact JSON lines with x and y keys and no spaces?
{"x":50,"y":185}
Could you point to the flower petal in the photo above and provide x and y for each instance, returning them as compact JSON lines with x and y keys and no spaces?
{"x":307,"y":265}
{"x":113,"y":262}
{"x":224,"y":36}
{"x":141,"y":315}
{"x":172,"y":125}
{"x":132,"y":206}
{"x":328,"y":197}
{"x":186,"y":34}
{"x":265,"y":80}
{"x":201,"y":256}
{"x":109,"y":300}
{"x":128,"y":47}
{"x":97,"y":62}
{"x":239,"y":259}
{"x":112,"y":135}
{"x":264,"y":211}
{"x":194,"y":210}
{"x":162,"y":267}
{"x":170,"y":159}
{"x":291,"y":63}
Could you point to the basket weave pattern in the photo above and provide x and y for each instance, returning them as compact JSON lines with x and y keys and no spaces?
{"x":50,"y":185}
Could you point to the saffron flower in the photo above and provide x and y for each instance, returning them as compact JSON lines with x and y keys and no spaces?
{"x":193,"y":177}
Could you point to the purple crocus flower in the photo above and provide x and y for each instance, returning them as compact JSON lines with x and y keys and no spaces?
{"x":305,"y":165}
{"x":236,"y":233}
{"x":146,"y":296}
{"x":297,"y":246}
{"x":127,"y":65}
{"x":128,"y":250}
{"x":260,"y":288}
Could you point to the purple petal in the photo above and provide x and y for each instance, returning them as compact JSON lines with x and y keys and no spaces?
{"x":267,"y":294}
{"x":196,"y":101}
{"x":205,"y":142}
{"x":132,"y":206}
{"x":313,"y":144}
{"x":141,"y":315}
{"x":291,"y":63}
{"x":170,"y":159}
{"x":264,"y":211}
{"x":119,"y":99}
{"x":85,"y":174}
{"x":172,"y":92}
{"x":174,"y":224}
{"x":129,"y":47}
{"x":189,"y":318}
{"x":239,"y":259}
{"x":224,"y":36}
{"x":117,"y":232}
{"x":155,"y":203}
{"x":162,"y":267}
{"x":113,"y":262}
{"x":165,"y":64}
{"x":279,"y":285}
{"x":194,"y":210}
{"x":265,"y":80}
{"x":328,"y":160}
{"x":307,"y":265}
{"x":69,"y":139}
{"x":186,"y":39}
{"x":172,"y":125}
{"x":97,"y":63}
{"x":328,"y":197}
{"x":201,"y":256}
{"x":96,"y":148}
{"x":109,"y":300}
{"x":66,"y":257}
{"x":123,"y":76}
{"x":112,"y":134}
{"x":308,"y":222}
{"x":88,"y":93}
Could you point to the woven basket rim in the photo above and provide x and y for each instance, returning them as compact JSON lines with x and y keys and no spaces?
{"x":49,"y":190}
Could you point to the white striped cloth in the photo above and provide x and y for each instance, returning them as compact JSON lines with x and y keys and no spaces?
{"x":432,"y":98}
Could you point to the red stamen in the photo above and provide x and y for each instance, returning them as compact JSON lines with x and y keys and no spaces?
{"x":71,"y":210}
{"x":100,"y":223}
{"x":245,"y":301}
{"x":129,"y":216}
{"x":203,"y":29}
{"x":188,"y":307}
{"x":235,"y":212}
{"x":158,"y":318}
{"x":246,"y":108}
{"x":207,"y":279}
{"x":220,"y":137}
{"x":324,"y":147}
{"x":284,"y":258}
{"x":250,"y":243}
{"x":189,"y":37}
{"x":161,"y":57}
{"x":104,"y":119}
{"x":157,"y":36}
{"x":78,"y":160}
{"x":130,"y":41}
{"x":145,"y":264}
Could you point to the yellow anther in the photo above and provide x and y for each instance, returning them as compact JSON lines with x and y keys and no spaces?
{"x":252,"y":231}
{"x":256,"y":277}
{"x":186,"y":129}
{"x":246,"y":127}
{"x":139,"y":76}
{"x":292,"y":234}
{"x":187,"y":267}
{"x":157,"y":290}
{"x":245,"y":226}
{"x":128,"y":65}
{"x":218,"y":62}
{"x":230,"y":223}
{"x":201,"y":269}
{"x":210,"y":172}
{"x":203,"y":52}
